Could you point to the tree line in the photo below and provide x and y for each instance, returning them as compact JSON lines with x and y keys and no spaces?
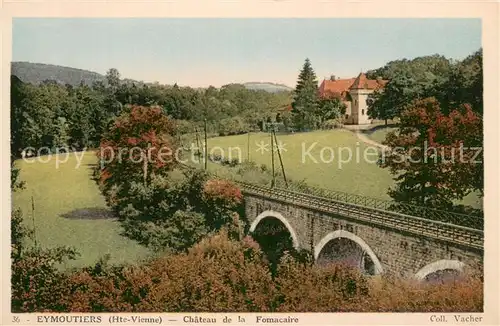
{"x":52,"y":115}
{"x":451,"y":83}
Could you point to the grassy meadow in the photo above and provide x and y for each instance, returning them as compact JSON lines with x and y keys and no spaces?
{"x":70,"y":211}
{"x":354,"y":177}
{"x":357,"y":176}
{"x":379,"y":134}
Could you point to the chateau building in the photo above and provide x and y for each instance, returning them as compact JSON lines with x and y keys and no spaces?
{"x":353,"y":92}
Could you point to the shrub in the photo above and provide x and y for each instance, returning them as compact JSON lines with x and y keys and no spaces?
{"x":162,"y":215}
{"x":216,"y":275}
{"x":220,"y":274}
{"x":233,"y":126}
{"x":108,"y":289}
{"x":222,"y":191}
{"x":221,"y":199}
{"x":174,"y":215}
{"x":179,"y":232}
{"x":37,"y":284}
{"x":332,"y":124}
{"x":307,"y":288}
{"x":19,"y":234}
{"x":397,"y":295}
{"x":215,"y":158}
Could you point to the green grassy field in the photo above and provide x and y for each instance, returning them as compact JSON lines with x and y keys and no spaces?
{"x":379,"y":134}
{"x":70,"y":211}
{"x":355,"y":176}
{"x":358,"y":176}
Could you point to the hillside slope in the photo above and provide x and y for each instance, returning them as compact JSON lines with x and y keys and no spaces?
{"x":36,"y":73}
{"x":269,"y":87}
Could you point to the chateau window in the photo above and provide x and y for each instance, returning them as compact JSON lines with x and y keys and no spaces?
{"x":363,"y":112}
{"x":355,"y":102}
{"x":347,"y":116}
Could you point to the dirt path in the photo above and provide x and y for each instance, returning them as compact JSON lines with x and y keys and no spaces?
{"x":364,"y":138}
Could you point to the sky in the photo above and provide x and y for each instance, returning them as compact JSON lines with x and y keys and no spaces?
{"x":201,"y":52}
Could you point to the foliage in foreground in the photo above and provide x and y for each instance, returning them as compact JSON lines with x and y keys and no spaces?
{"x":221,"y":275}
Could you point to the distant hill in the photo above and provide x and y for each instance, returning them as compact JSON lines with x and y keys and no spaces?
{"x":36,"y":73}
{"x":269,"y":87}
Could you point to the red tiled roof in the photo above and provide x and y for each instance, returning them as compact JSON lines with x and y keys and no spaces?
{"x":337,"y":86}
{"x":342,"y":86}
{"x":362,"y":82}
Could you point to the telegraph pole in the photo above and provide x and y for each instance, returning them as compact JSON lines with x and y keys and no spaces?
{"x":281,"y":161}
{"x":206,"y":145}
{"x":248,"y":147}
{"x":197,"y":140}
{"x":272,"y":154}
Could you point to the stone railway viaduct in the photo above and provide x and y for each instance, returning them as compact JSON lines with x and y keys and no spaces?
{"x":378,"y":241}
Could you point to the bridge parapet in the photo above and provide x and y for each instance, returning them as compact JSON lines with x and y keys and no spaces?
{"x":461,"y":235}
{"x":473,"y":219}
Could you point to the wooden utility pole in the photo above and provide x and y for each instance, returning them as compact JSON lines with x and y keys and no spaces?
{"x":272,"y":155}
{"x":206,"y":146}
{"x":248,"y":147}
{"x":281,"y":161}
{"x":197,"y":140}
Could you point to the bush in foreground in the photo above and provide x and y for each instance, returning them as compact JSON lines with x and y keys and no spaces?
{"x":222,"y":275}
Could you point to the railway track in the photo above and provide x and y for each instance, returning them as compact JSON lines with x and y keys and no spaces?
{"x":419,"y":226}
{"x":448,"y":232}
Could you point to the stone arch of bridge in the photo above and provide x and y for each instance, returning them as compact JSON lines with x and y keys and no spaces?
{"x":282,"y":219}
{"x":438,"y":266}
{"x":378,"y":269}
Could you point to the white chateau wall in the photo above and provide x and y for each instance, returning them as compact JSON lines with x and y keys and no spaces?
{"x":359,"y":106}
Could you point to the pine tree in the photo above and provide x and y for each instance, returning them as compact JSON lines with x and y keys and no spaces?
{"x":305,"y":103}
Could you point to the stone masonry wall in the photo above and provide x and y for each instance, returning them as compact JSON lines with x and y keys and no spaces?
{"x":399,"y":253}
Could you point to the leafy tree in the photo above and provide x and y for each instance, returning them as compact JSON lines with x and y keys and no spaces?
{"x":392,"y":100}
{"x":61,"y":133}
{"x":86,"y":117}
{"x":420,"y":68}
{"x":330,"y":109}
{"x":425,"y":155}
{"x":139,"y":144}
{"x":113,"y":78}
{"x":305,"y":102}
{"x":465,"y":85}
{"x":451,"y":83}
{"x":173,"y":215}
